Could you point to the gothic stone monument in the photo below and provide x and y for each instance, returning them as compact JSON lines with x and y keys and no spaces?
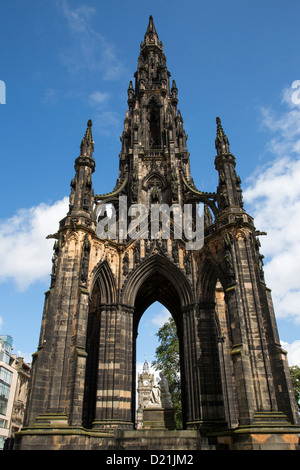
{"x":236,"y":387}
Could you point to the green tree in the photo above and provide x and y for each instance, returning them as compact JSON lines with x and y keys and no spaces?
{"x":168,"y":361}
{"x":295,"y":376}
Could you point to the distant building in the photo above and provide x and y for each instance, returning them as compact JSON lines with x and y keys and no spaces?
{"x":145,"y":385}
{"x":20,"y":397}
{"x":14,"y":379}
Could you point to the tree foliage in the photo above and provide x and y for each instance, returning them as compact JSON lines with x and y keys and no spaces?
{"x":168,"y":361}
{"x":295,"y":376}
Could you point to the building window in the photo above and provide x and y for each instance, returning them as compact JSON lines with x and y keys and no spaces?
{"x":4,"y":393}
{"x":3,"y":423}
{"x":5,"y":375}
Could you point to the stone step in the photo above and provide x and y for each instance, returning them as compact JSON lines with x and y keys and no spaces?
{"x":162,"y":440}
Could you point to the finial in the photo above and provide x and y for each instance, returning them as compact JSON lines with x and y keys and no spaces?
{"x":150,"y":25}
{"x":146,"y":365}
{"x":87,"y":143}
{"x":221,"y":142}
{"x":151,"y":36}
{"x":220,"y":131}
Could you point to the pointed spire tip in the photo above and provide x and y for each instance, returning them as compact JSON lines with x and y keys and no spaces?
{"x":221,"y":142}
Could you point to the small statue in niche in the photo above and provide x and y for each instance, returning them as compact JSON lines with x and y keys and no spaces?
{"x":155,"y":194}
{"x":228,"y":261}
{"x":87,"y":193}
{"x":221,"y":178}
{"x":174,"y":185}
{"x":134,"y":185}
{"x":54,"y":262}
{"x":125,"y":264}
{"x":259,"y":256}
{"x":261,"y":265}
{"x":85,"y":261}
{"x":175,"y":253}
{"x":136,"y":254}
{"x":72,"y":194}
{"x":188,"y":263}
{"x":223,"y":199}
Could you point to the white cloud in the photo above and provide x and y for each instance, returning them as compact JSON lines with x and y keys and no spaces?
{"x":106,"y":121}
{"x":161,"y":318}
{"x":25,"y":253}
{"x":98,"y":98}
{"x":273,"y":198}
{"x":90,"y":54}
{"x":293,"y":351}
{"x":89,"y":51}
{"x":77,"y":18}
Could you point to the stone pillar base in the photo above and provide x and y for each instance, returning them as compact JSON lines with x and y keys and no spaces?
{"x":158,"y":418}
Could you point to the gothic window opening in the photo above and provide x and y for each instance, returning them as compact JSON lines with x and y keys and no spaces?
{"x":154,"y":124}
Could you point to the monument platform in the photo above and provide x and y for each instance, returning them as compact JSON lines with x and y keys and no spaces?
{"x":158,"y":418}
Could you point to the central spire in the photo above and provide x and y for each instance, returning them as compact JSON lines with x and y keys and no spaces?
{"x":152,"y":72}
{"x":154,"y":150}
{"x":151,"y":36}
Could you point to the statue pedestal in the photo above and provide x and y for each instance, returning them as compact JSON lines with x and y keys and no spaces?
{"x":158,"y":418}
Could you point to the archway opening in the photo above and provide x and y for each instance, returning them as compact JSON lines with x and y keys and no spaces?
{"x":147,"y":343}
{"x":160,"y":281}
{"x":156,"y":304}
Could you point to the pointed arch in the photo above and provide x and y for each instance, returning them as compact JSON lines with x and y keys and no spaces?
{"x":153,"y":268}
{"x":210,"y":273}
{"x":153,"y":100}
{"x":153,"y":174}
{"x":103,"y":280}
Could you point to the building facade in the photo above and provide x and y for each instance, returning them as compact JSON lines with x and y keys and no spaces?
{"x":14,"y":379}
{"x":20,"y":393}
{"x":8,"y":380}
{"x":156,"y":237}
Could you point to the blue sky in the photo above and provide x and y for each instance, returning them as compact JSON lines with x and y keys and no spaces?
{"x":66,"y":61}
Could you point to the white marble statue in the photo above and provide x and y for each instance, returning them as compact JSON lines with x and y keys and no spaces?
{"x":160,"y":394}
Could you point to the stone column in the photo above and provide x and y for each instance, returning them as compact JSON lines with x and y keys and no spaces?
{"x":114,"y":383}
{"x":78,"y":371}
{"x":205,"y":408}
